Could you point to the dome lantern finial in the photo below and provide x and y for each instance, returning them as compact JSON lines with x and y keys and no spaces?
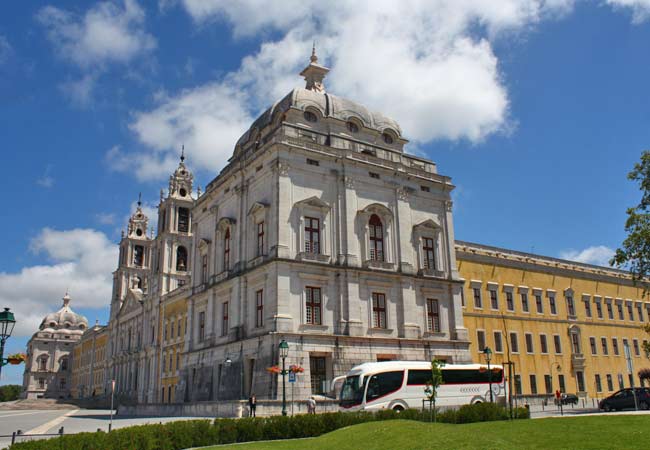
{"x":66,"y":299}
{"x":314,"y":73}
{"x":183,"y":153}
{"x":139,"y":200}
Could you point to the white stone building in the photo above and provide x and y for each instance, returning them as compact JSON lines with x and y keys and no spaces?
{"x":323,"y":232}
{"x":48,"y":366}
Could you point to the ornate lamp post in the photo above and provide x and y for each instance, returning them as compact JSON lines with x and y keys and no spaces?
{"x":488,"y":357}
{"x":284,"y":351}
{"x":7,"y":322}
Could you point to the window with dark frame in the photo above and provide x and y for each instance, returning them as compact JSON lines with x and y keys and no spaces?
{"x":480,"y":340}
{"x":224,"y":319}
{"x":378,"y":310}
{"x":313,"y":305}
{"x":201,"y":326}
{"x":543,"y":343}
{"x":259,"y":308}
{"x":433,"y":315}
{"x":571,"y":307}
{"x":575,"y":343}
{"x":599,"y":310}
{"x":552,"y":305}
{"x":619,"y":308}
{"x":428,"y":251}
{"x":260,"y":238}
{"x":524,"y":302}
{"x":637,"y":351}
{"x":494,"y":299}
{"x":312,"y":235}
{"x":587,"y":308}
{"x":610,"y":382}
{"x":510,"y":303}
{"x":514,"y":343}
{"x":138,"y":255}
{"x":630,"y":311}
{"x":498,"y":342}
{"x":639,"y":311}
{"x":533,"y":384}
{"x":539,"y":303}
{"x":610,"y":310}
{"x":376,"y":236}
{"x":529,"y":343}
{"x":226,"y":250}
{"x":183,"y":220}
{"x":615,"y":346}
{"x":478,"y":303}
{"x":204,"y":268}
{"x":599,"y":384}
{"x":518,"y":390}
{"x":592,"y":344}
{"x":603,"y":343}
{"x":313,"y":162}
{"x":548,"y":384}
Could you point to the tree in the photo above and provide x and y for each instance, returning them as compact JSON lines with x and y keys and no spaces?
{"x":431,"y":389}
{"x":644,"y":374}
{"x":9,"y":392}
{"x":634,"y":253}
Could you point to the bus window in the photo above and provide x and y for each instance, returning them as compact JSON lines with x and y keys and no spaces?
{"x":352,"y":391}
{"x":466,"y":376}
{"x":384,"y":383}
{"x":418,"y":377}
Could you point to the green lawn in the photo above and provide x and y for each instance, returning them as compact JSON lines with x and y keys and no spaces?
{"x":596,"y":432}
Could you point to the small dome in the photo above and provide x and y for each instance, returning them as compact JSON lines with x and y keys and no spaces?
{"x":65,"y":319}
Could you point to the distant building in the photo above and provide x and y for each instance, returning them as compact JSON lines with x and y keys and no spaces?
{"x":48,"y":366}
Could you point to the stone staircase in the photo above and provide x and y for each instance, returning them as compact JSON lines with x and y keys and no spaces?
{"x":40,"y":404}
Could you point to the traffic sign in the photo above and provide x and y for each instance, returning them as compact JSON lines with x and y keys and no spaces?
{"x":292,"y":377}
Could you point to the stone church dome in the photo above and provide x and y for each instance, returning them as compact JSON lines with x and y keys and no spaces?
{"x":64,"y":320}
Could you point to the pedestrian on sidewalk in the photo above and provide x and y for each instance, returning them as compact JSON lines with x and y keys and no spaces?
{"x":311,"y":405}
{"x":252,"y":405}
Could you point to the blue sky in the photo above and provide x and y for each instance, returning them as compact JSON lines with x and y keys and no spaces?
{"x":536,"y":109}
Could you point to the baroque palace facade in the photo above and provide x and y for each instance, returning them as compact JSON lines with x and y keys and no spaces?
{"x":322,"y":232}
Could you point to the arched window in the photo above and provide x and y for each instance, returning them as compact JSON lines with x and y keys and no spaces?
{"x":376,"y":232}
{"x":183,"y":220}
{"x":42,"y":363}
{"x":181,"y":259}
{"x":226,"y":250}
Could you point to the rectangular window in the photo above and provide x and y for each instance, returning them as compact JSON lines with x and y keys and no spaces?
{"x":378,"y":310}
{"x":514,"y":343}
{"x":171,"y":330}
{"x":587,"y":308}
{"x":313,"y":305}
{"x":373,"y":175}
{"x":610,"y":382}
{"x":543,"y":344}
{"x":433,"y":316}
{"x":619,"y":308}
{"x":204,"y":268}
{"x":425,"y":188}
{"x":626,"y":344}
{"x":621,"y":383}
{"x":630,"y":311}
{"x":478,"y":302}
{"x":639,"y":311}
{"x":575,"y":343}
{"x":560,"y":378}
{"x":603,"y":343}
{"x":318,"y":374}
{"x":260,"y":239}
{"x":599,"y":310}
{"x":498,"y":342}
{"x":524,"y":302}
{"x":552,"y":305}
{"x":599,"y":384}
{"x":539,"y":304}
{"x":224,"y":319}
{"x":510,"y":303}
{"x":518,"y":385}
{"x":428,"y":252}
{"x":312,"y":235}
{"x":570,"y":305}
{"x":529,"y":343}
{"x":558,"y":344}
{"x":615,"y":346}
{"x":41,"y":383}
{"x":462,"y":296}
{"x":179,"y":328}
{"x":494,"y":299}
{"x":259,"y":308}
{"x":138,"y":256}
{"x":226,"y":250}
{"x":376,"y":238}
{"x":580,"y":378}
{"x":610,"y":310}
{"x":183,"y":220}
{"x":480,"y":340}
{"x":548,"y":384}
{"x":201,"y":326}
{"x":592,"y":344}
{"x":313,"y":162}
{"x":635,"y":344}
{"x":533,"y":384}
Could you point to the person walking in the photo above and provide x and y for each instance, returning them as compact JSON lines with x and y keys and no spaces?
{"x":311,"y":405}
{"x":252,"y":405}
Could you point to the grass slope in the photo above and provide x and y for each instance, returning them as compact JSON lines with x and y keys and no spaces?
{"x":596,"y":432}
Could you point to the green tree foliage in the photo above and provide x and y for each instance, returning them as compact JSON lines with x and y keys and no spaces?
{"x":9,"y":392}
{"x":634,"y":253}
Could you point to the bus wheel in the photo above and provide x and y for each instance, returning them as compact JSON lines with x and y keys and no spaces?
{"x":398,"y":408}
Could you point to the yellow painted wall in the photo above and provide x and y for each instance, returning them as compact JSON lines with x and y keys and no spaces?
{"x":507,"y":276}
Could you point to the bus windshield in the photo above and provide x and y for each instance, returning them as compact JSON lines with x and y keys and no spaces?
{"x":352,"y":391}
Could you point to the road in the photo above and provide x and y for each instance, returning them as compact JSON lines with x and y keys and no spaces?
{"x":73,"y":421}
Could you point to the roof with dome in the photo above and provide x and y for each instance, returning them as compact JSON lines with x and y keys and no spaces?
{"x":313,"y":95}
{"x":64,"y":320}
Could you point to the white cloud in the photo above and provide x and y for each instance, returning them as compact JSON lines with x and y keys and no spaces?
{"x":430,"y":65}
{"x":81,"y":261}
{"x":46,"y":180}
{"x":598,"y":255}
{"x":105,"y":218}
{"x":80,"y":91}
{"x":640,"y":8}
{"x":5,"y":49}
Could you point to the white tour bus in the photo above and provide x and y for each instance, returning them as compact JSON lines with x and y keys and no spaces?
{"x":400,"y":384}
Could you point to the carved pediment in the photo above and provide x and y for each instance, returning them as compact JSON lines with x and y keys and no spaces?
{"x":225,"y":222}
{"x":313,"y":202}
{"x":376,"y":208}
{"x":427,"y":225}
{"x":132,"y":301}
{"x":257,"y":207}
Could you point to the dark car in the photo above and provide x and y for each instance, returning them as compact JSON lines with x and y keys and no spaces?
{"x":569,"y":399}
{"x":625,"y":399}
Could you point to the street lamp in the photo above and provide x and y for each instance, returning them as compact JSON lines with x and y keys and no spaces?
{"x":284,"y":351}
{"x":488,"y":357}
{"x":7,"y":322}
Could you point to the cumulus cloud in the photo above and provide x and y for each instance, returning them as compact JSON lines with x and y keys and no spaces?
{"x":640,"y":8}
{"x":598,"y":255}
{"x":430,"y":65}
{"x":107,"y":33}
{"x":80,"y":260}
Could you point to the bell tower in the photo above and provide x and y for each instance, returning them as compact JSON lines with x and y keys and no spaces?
{"x":134,"y":266}
{"x":174,"y":241}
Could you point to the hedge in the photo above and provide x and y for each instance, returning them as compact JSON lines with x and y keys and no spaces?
{"x":196,"y":433}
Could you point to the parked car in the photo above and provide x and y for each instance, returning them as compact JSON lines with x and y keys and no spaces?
{"x":625,"y":399}
{"x":569,"y":399}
